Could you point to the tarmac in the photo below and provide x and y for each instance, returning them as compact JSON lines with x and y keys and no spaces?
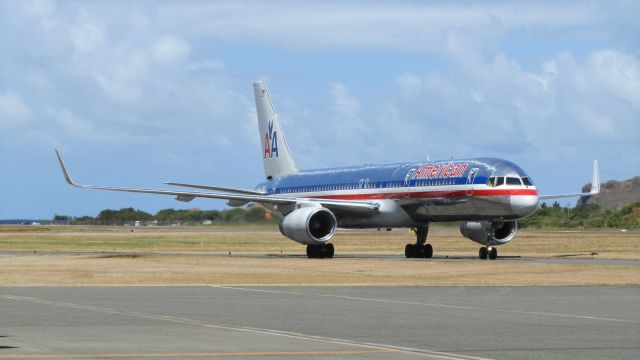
{"x":571,"y":259}
{"x":183,"y":322}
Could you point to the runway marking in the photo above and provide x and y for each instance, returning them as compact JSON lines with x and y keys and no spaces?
{"x":287,"y":334}
{"x":401,"y":302}
{"x":195,"y":354}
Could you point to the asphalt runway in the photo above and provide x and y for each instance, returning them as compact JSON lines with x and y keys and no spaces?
{"x":320,"y":322}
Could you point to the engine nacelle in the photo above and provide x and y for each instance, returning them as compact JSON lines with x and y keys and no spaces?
{"x":237,"y":203}
{"x":309,"y":225}
{"x":489,"y":232}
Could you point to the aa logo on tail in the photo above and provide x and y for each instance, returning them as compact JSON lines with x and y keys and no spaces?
{"x":270,"y":142}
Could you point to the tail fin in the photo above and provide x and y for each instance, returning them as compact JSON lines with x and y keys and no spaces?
{"x":275,"y":151}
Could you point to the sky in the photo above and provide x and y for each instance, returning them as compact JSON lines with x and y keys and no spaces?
{"x":136,"y":93}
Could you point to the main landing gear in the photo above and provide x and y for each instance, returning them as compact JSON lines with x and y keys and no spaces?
{"x":320,"y":251}
{"x":488,"y":251}
{"x":420,"y":249}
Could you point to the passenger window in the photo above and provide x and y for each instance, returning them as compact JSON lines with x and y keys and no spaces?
{"x":513,"y":181}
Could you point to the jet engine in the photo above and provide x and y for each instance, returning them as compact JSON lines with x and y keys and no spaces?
{"x":237,"y":203}
{"x":489,"y":232}
{"x":309,"y":225}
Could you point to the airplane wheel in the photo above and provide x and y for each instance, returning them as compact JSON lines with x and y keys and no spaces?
{"x":320,"y":251}
{"x":418,"y":251}
{"x":428,"y":251}
{"x":483,"y":253}
{"x":493,"y":253}
{"x":311,"y":252}
{"x":329,"y":251}
{"x":314,"y":252}
{"x":408,"y":251}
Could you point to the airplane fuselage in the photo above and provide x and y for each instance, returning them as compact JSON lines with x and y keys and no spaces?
{"x":416,"y":193}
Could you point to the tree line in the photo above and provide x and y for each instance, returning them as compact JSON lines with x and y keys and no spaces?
{"x":552,"y":217}
{"x":583,"y":216}
{"x":131,"y":216}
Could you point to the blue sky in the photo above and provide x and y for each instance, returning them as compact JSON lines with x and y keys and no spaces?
{"x":140,"y":92}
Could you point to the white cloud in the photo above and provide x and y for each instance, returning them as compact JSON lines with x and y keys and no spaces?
{"x":441,"y":27}
{"x":87,"y":33}
{"x":170,"y":48}
{"x":84,"y":130}
{"x":205,"y":65}
{"x":38,"y":8}
{"x":122,"y":79}
{"x":72,"y":124}
{"x":618,"y":72}
{"x":498,"y":108}
{"x":345,"y":104}
{"x":13,"y":110}
{"x":409,"y":83}
{"x":346,"y":126}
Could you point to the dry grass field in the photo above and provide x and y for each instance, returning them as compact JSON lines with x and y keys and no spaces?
{"x":63,"y":255}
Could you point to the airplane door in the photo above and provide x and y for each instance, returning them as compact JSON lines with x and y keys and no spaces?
{"x":472,"y":175}
{"x":407,"y":182}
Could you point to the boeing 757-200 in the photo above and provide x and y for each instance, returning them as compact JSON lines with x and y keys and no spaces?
{"x":486,"y":195}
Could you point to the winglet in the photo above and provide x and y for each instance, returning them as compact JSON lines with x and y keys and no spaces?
{"x":64,"y":170}
{"x":595,"y":183}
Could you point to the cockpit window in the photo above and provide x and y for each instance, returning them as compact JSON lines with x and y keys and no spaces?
{"x":513,"y":181}
{"x":496,"y":181}
{"x":527,"y":181}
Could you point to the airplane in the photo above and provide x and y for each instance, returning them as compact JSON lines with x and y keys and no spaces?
{"x":486,"y":195}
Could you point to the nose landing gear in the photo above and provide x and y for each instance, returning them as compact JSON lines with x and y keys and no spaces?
{"x":488,"y":251}
{"x":420,"y":249}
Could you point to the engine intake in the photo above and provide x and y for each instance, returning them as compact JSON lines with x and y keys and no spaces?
{"x":489,"y":232}
{"x":309,"y":225}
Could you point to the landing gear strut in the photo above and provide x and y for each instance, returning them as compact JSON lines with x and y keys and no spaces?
{"x":488,"y":251}
{"x":420,"y":249}
{"x":320,"y":251}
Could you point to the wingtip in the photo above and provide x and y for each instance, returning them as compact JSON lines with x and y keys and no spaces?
{"x":595,"y":183}
{"x":64,"y":170}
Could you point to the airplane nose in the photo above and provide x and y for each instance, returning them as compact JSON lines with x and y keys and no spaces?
{"x":524,"y":205}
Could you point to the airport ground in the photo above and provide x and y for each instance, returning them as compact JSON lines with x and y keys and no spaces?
{"x":261,"y":256}
{"x":247,"y":292}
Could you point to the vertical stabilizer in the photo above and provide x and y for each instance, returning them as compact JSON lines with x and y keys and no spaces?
{"x":275,"y":151}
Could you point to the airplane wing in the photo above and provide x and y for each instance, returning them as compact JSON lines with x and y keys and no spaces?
{"x":355,"y":207}
{"x":218,"y":188}
{"x":595,"y":187}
